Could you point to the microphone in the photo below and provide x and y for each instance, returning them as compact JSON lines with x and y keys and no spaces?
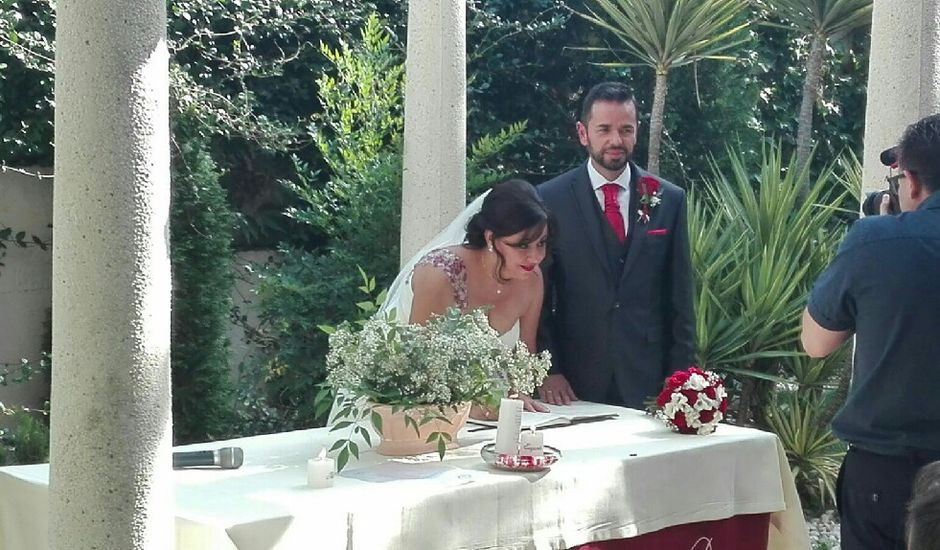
{"x":227,"y":458}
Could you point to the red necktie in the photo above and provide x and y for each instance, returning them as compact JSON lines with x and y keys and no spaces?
{"x":612,"y":209}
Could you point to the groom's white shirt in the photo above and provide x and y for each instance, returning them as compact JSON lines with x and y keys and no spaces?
{"x":623,"y":180}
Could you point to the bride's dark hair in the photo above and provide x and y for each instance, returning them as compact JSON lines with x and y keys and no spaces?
{"x":512,"y":207}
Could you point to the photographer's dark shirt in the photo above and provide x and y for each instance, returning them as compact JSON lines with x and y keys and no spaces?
{"x":884,"y":285}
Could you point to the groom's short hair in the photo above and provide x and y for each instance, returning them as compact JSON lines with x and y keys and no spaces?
{"x":605,"y":91}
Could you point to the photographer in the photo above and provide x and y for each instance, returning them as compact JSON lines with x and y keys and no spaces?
{"x":884,"y":286}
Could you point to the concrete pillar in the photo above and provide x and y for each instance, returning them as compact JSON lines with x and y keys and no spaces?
{"x":111,"y":485}
{"x":434,"y":179}
{"x":903,"y":77}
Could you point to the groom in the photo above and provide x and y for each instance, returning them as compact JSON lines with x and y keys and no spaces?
{"x":617,"y":315}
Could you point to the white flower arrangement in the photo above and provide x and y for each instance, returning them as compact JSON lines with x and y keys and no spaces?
{"x":455,"y":358}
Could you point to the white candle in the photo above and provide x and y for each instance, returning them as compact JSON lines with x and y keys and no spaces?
{"x":320,"y":471}
{"x":508,"y":425}
{"x":532,"y":443}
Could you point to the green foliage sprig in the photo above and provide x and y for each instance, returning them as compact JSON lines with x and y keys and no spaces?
{"x":18,"y":239}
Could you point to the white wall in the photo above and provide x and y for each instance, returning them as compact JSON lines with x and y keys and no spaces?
{"x":242,"y":351}
{"x":25,"y":280}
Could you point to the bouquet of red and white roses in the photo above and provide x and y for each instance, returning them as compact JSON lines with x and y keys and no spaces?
{"x":693,"y":401}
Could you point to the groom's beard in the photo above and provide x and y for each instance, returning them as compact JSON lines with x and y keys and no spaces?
{"x":615,"y":164}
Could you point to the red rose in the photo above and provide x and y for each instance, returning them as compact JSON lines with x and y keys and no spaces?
{"x":723,"y":406}
{"x":648,"y":185}
{"x":678,"y":378}
{"x":696,"y":370}
{"x":679,"y":421}
{"x":691,"y":395}
{"x":664,"y":397}
{"x":710,"y":392}
{"x":706,"y":416}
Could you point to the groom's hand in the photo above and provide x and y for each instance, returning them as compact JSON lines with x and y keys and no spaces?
{"x":556,"y":390}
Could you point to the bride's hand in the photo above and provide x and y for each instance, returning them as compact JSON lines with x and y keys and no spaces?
{"x":479,"y":412}
{"x":531,"y":405}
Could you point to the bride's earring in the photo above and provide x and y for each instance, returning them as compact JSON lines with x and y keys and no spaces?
{"x":499,"y":286}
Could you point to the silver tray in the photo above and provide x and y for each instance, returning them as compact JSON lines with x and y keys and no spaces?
{"x":520,"y":463}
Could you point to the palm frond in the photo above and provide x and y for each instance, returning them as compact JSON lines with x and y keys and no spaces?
{"x":664,"y":34}
{"x":831,"y":18}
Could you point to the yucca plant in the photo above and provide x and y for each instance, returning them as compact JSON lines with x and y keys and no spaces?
{"x":812,"y":450}
{"x":757,"y":247}
{"x":819,"y":21}
{"x":758,"y":243}
{"x":665,"y":34}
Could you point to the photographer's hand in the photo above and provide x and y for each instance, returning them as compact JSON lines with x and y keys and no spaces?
{"x":884,"y":207}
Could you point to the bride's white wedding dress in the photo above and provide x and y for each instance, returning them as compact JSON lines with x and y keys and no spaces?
{"x":401,"y":294}
{"x":456,"y":271}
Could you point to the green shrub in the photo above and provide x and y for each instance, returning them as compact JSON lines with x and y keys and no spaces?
{"x":201,"y":255}
{"x":30,"y":437}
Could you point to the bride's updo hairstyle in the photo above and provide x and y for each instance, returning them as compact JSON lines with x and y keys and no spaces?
{"x":512,"y":207}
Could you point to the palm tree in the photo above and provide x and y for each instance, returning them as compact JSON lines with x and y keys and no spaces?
{"x":664,"y":34}
{"x":819,"y":21}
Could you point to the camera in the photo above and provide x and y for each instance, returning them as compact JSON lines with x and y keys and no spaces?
{"x":872,"y":202}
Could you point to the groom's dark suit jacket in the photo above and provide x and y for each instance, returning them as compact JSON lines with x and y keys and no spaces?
{"x":616,"y":313}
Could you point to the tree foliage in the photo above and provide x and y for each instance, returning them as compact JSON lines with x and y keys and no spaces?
{"x":818,"y":22}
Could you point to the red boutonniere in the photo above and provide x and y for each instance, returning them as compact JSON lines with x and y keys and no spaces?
{"x":650,"y":191}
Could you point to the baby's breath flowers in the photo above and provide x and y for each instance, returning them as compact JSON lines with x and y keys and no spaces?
{"x":455,"y":358}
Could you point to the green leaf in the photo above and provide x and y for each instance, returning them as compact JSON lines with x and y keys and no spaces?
{"x":342,"y":459}
{"x":441,"y":448}
{"x":377,"y":422}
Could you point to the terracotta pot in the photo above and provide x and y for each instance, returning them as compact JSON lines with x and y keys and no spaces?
{"x":400,"y":439}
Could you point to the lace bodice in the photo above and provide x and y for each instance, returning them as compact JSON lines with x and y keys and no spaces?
{"x":456,"y":271}
{"x":452,"y":266}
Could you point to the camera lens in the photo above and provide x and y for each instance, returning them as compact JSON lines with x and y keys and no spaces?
{"x":870,"y":206}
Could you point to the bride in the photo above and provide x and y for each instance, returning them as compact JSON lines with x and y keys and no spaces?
{"x":487,"y":257}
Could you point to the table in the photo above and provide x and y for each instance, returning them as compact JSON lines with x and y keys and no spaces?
{"x":618,"y":479}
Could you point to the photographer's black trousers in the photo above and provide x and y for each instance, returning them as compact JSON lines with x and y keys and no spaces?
{"x":872,"y":495}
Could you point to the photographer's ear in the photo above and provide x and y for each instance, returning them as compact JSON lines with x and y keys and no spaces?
{"x":918,"y":191}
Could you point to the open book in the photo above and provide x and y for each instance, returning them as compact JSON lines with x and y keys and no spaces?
{"x":559,"y":415}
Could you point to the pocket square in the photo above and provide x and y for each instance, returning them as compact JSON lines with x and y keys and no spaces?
{"x":657,"y":232}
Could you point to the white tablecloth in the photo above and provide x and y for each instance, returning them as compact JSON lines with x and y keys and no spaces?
{"x":617,"y":479}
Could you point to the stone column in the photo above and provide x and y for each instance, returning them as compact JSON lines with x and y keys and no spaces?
{"x":111,"y":479}
{"x":434,"y":179}
{"x":903,"y":77}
